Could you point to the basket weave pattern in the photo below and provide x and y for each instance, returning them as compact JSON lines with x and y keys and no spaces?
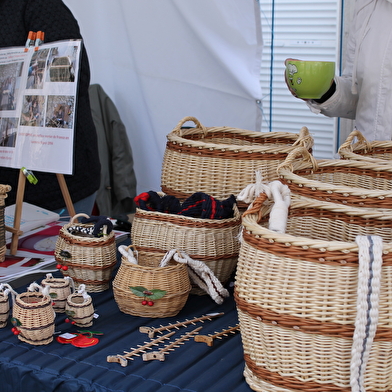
{"x":172,"y":278}
{"x":296,"y":297}
{"x":61,"y":287}
{"x":81,"y":308}
{"x":222,"y":161}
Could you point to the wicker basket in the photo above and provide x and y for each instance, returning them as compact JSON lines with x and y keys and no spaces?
{"x":61,"y":288}
{"x":35,"y":316}
{"x":79,"y":308}
{"x":378,"y":151}
{"x":90,"y":260}
{"x":3,"y":194}
{"x":5,"y":291}
{"x":212,"y":241}
{"x":296,"y":295}
{"x":222,"y":161}
{"x":355,"y":183}
{"x":172,"y":278}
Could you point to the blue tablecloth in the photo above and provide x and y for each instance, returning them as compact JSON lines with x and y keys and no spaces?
{"x":192,"y":367}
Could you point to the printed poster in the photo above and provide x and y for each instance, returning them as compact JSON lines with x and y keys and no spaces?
{"x":38,"y":90}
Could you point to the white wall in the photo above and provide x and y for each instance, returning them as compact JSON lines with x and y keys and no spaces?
{"x":163,"y":60}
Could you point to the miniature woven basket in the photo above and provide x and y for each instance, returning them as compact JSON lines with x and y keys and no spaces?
{"x":212,"y":241}
{"x":173,"y":278}
{"x":221,"y":161}
{"x":79,"y":307}
{"x":3,"y":194}
{"x":355,"y":183}
{"x":60,"y":289}
{"x":34,"y":316}
{"x":90,"y":260}
{"x":5,"y":291}
{"x":299,"y":296}
{"x":377,"y":151}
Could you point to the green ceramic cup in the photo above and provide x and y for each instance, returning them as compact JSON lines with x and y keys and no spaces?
{"x":310,"y":79}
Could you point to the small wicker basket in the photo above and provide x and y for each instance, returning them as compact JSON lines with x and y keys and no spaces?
{"x":5,"y":291}
{"x":212,"y":241}
{"x":173,"y":278}
{"x":79,"y":307}
{"x":297,"y":297}
{"x":60,"y":289}
{"x":90,"y":260}
{"x":35,"y":316}
{"x":222,"y":161}
{"x":355,"y":183}
{"x":3,"y":194}
{"x":377,"y":151}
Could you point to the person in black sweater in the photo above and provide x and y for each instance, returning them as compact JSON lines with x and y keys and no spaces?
{"x":17,"y":18}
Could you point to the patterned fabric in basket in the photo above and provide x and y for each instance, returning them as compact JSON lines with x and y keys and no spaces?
{"x":297,"y":298}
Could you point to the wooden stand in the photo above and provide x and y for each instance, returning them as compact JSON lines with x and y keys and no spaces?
{"x":16,"y":232}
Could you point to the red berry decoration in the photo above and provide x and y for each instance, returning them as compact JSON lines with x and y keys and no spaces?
{"x":144,"y":302}
{"x":16,"y":332}
{"x":67,"y":320}
{"x":58,"y":266}
{"x":73,"y":322}
{"x":150,"y":303}
{"x":13,"y":329}
{"x":64,"y":267}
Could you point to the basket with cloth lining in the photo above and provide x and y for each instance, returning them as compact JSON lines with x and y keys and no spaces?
{"x":202,"y":236}
{"x":87,"y":251}
{"x":313,"y":292}
{"x":376,"y":151}
{"x":221,"y":161}
{"x":350,"y":182}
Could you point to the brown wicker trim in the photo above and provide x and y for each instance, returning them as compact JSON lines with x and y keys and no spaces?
{"x":290,"y":383}
{"x":194,"y":223}
{"x":36,"y":305}
{"x":305,"y":325}
{"x":85,"y":266}
{"x":87,"y":242}
{"x":182,"y":196}
{"x":313,"y":255}
{"x":221,"y":152}
{"x":92,"y":282}
{"x":24,"y":328}
{"x":193,"y":256}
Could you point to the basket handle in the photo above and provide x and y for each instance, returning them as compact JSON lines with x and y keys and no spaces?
{"x":361,"y":141}
{"x":77,"y":216}
{"x":127,"y":252}
{"x":293,"y":155}
{"x":178,"y":129}
{"x":305,"y":139}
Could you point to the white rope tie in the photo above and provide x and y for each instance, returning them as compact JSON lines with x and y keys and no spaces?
{"x":252,"y":191}
{"x":199,"y":274}
{"x":368,"y":293}
{"x":279,"y":211}
{"x":128,"y":253}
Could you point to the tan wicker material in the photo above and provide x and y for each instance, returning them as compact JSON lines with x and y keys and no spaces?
{"x":212,"y":241}
{"x":60,"y":289}
{"x":4,"y":307}
{"x":79,"y":307}
{"x":173,"y":279}
{"x":221,"y":161}
{"x":355,"y":183}
{"x":92,"y":259}
{"x":377,"y":151}
{"x":296,"y":296}
{"x":35,"y":313}
{"x":3,"y":194}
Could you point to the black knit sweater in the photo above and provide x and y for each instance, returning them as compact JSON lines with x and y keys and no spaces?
{"x":17,"y":18}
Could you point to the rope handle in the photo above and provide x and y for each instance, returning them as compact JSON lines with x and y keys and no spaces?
{"x":129,"y":252}
{"x":305,"y":139}
{"x":6,"y":289}
{"x":82,"y":290}
{"x":293,"y":155}
{"x":49,"y":276}
{"x":361,"y":142}
{"x":36,"y":287}
{"x":201,"y":128}
{"x":77,"y":216}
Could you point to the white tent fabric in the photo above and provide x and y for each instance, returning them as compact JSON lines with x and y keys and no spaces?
{"x":163,"y":60}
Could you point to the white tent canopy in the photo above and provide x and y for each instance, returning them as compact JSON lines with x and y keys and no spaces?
{"x":163,"y":60}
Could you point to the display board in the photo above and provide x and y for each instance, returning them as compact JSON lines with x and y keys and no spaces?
{"x":38,"y":89}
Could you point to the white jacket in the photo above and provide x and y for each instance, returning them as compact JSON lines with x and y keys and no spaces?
{"x":364,"y":91}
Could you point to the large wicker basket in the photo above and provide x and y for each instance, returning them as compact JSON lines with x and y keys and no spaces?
{"x":356,"y":183}
{"x":222,"y":161}
{"x":296,"y":295}
{"x":377,"y":151}
{"x":3,"y":194}
{"x":89,"y":260}
{"x":34,"y":317}
{"x":172,"y":278}
{"x":212,"y":241}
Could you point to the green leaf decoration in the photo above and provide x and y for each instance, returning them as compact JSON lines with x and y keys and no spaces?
{"x":53,"y":295}
{"x":138,"y":290}
{"x":157,"y":294}
{"x":70,"y":313}
{"x":15,"y":322}
{"x":65,"y":254}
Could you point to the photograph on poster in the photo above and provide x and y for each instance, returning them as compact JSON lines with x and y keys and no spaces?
{"x":8,"y":131}
{"x":33,"y":111}
{"x":60,"y":111}
{"x":9,"y":84}
{"x":35,"y":78}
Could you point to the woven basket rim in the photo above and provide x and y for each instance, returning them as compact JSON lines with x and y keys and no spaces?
{"x":251,"y":226}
